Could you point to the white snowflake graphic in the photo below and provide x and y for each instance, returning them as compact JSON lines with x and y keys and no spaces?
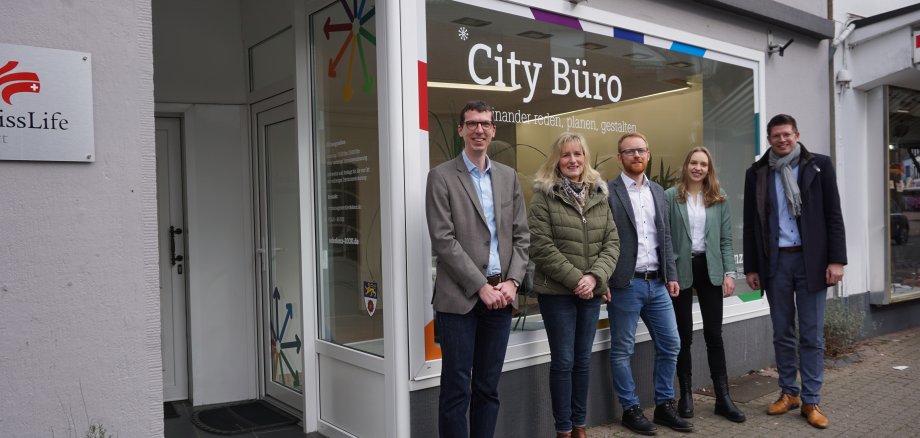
{"x":464,"y":33}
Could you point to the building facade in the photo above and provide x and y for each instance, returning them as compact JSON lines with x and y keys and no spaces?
{"x":252,"y":224}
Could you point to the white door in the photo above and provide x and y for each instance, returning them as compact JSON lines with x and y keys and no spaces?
{"x":171,"y":229}
{"x":279,"y":250}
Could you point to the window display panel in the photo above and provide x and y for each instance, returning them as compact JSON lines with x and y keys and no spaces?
{"x":903,"y":148}
{"x":347,"y":175}
{"x":544,"y":75}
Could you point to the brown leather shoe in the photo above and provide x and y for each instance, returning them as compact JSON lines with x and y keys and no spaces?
{"x":784,"y":404}
{"x":813,"y":414}
{"x":563,"y":434}
{"x":579,"y":432}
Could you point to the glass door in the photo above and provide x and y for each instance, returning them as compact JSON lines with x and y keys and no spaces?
{"x":279,"y":251}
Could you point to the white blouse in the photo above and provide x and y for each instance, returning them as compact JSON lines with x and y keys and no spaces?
{"x":696,"y":213}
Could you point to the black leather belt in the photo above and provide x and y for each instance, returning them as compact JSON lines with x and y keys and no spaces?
{"x":699,"y":254}
{"x":648,"y":275}
{"x":494,"y":279}
{"x":790,"y":248}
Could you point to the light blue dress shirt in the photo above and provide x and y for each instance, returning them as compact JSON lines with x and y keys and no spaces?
{"x":788,"y":226}
{"x":482,"y":181}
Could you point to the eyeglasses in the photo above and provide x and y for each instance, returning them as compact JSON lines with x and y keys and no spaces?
{"x":636,"y":151}
{"x":782,"y":136}
{"x":471,"y":125}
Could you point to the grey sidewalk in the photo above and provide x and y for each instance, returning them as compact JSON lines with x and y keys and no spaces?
{"x":865,"y":398}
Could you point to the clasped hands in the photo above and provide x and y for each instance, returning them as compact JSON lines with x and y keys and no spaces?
{"x":499,"y":296}
{"x":585,"y":287}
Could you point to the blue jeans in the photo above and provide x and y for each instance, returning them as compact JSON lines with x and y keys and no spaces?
{"x":571,"y":323}
{"x":649,"y":300}
{"x":789,"y":296}
{"x":472,"y":354}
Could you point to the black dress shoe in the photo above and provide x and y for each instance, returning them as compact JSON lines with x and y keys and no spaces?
{"x":634,"y":420}
{"x":666,"y":415}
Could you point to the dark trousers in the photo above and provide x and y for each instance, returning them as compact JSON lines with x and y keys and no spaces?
{"x":710,"y":299}
{"x":472,"y":354}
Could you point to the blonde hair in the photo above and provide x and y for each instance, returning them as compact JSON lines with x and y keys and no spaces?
{"x":711,"y":190}
{"x":549,"y":170}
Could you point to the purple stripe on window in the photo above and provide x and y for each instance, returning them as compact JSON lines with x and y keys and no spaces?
{"x":554,"y":18}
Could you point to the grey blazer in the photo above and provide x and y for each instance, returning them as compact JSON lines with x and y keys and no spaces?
{"x":625,"y":219}
{"x":460,"y":236}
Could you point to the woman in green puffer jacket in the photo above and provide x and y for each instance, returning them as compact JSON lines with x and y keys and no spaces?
{"x":574,"y":246}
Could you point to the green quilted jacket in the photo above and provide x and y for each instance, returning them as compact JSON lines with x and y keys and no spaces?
{"x":565,"y":245}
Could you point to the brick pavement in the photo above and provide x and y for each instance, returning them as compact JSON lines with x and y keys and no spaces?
{"x":864,"y":398}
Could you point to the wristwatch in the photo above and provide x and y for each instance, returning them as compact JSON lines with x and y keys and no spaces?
{"x":516,"y":284}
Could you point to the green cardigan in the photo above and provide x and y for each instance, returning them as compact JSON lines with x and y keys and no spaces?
{"x":720,"y":257}
{"x":566,"y":245}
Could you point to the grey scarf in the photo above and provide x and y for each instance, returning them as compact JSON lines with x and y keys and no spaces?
{"x":783,"y":166}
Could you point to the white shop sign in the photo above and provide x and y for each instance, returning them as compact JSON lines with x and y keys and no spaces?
{"x":46,"y":104}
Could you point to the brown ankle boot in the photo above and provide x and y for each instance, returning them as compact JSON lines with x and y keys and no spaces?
{"x":579,"y":432}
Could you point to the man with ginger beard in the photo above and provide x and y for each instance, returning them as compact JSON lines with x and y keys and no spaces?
{"x":642,"y":285}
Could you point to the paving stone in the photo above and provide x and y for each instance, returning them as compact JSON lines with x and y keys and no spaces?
{"x":861,"y":398}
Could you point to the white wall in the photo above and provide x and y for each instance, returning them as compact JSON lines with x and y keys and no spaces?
{"x":79,"y":298}
{"x":862,"y":8}
{"x":222,"y":290}
{"x":198,"y":51}
{"x":264,"y":18}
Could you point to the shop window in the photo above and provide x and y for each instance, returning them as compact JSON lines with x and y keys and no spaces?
{"x":903,"y":148}
{"x":347,"y":176}
{"x":544,"y":74}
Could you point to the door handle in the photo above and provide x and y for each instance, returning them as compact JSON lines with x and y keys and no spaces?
{"x":173,"y":257}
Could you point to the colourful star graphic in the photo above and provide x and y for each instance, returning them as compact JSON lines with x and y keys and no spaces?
{"x":357,"y":18}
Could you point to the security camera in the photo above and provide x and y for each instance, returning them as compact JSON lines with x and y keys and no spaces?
{"x":844,"y":77}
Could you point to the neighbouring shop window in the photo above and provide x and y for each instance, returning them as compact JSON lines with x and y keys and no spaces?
{"x":347,"y":176}
{"x":545,"y":75}
{"x":904,"y":190}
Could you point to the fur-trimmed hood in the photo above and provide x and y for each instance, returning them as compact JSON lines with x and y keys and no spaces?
{"x":548,"y":187}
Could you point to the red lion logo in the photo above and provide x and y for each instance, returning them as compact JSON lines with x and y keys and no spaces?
{"x":18,"y":82}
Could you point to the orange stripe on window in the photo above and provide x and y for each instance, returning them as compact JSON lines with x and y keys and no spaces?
{"x":432,"y":350}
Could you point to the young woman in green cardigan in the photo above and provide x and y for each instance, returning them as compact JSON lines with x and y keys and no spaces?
{"x":701,"y":236}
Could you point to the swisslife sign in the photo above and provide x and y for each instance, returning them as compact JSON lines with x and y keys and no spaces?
{"x":46,"y":105}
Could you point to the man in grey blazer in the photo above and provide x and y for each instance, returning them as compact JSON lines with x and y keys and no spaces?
{"x":478,"y":227}
{"x":638,"y":288}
